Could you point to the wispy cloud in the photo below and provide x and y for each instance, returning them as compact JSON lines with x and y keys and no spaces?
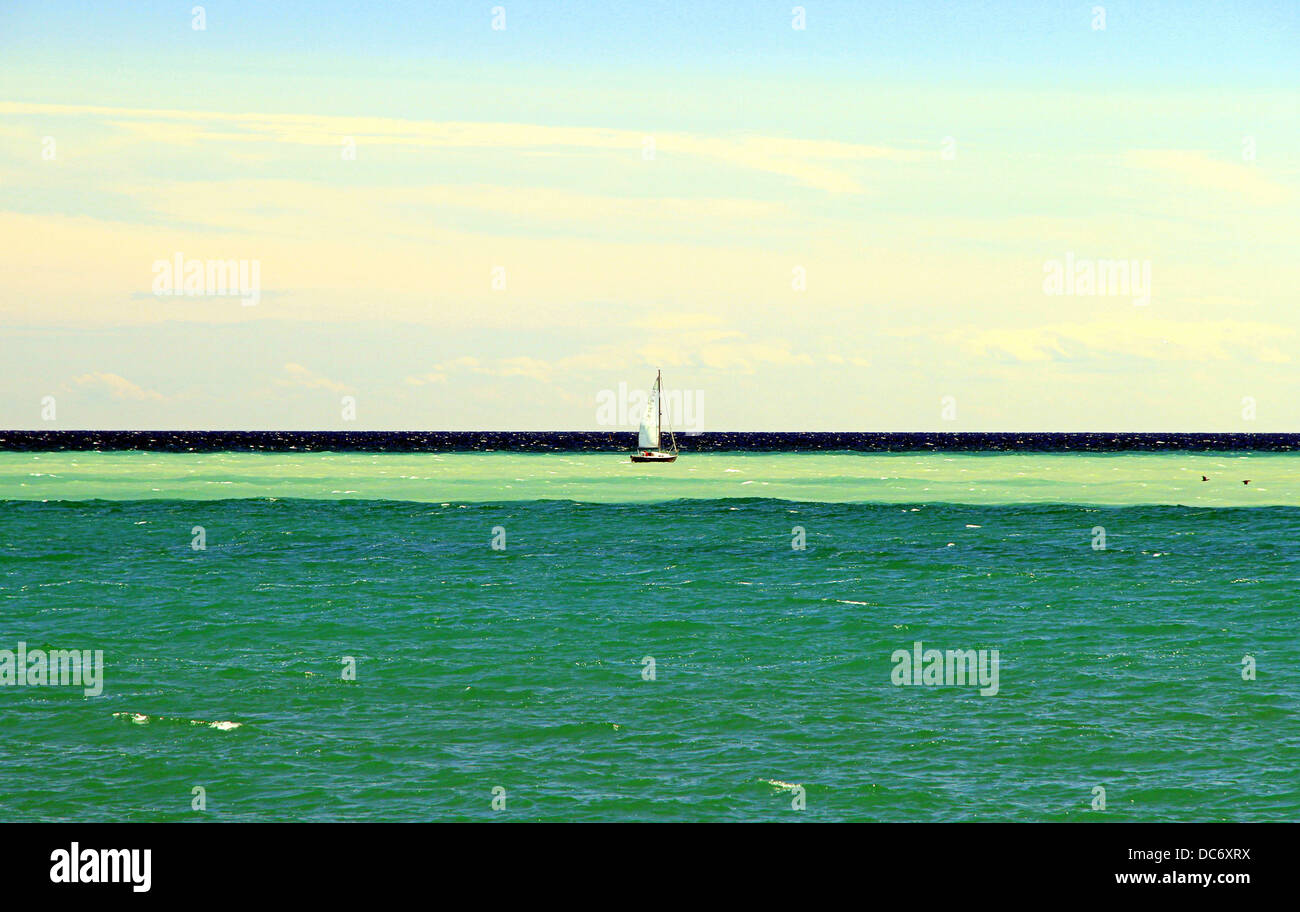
{"x":1201,"y":171}
{"x":821,"y":164}
{"x":1145,"y":338}
{"x":295,"y":375}
{"x":117,"y":386}
{"x":715,"y":351}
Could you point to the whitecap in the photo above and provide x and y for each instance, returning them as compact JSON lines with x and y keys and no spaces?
{"x":783,"y":786}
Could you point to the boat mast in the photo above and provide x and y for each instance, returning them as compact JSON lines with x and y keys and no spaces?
{"x":659,"y":400}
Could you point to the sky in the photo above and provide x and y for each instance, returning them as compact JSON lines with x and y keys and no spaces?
{"x":884,"y":216}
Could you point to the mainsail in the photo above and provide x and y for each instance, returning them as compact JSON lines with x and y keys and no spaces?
{"x":648,"y":437}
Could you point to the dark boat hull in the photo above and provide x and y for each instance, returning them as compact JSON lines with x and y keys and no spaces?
{"x":654,"y":457}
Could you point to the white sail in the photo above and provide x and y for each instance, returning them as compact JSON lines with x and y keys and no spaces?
{"x":648,"y":437}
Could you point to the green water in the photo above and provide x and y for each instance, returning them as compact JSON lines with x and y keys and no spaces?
{"x":1112,"y":479}
{"x":525,"y":668}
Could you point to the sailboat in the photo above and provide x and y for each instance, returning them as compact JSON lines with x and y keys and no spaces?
{"x":647,"y":439}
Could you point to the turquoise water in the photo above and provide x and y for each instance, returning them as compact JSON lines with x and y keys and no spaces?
{"x":524,"y":668}
{"x":1113,"y":479}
